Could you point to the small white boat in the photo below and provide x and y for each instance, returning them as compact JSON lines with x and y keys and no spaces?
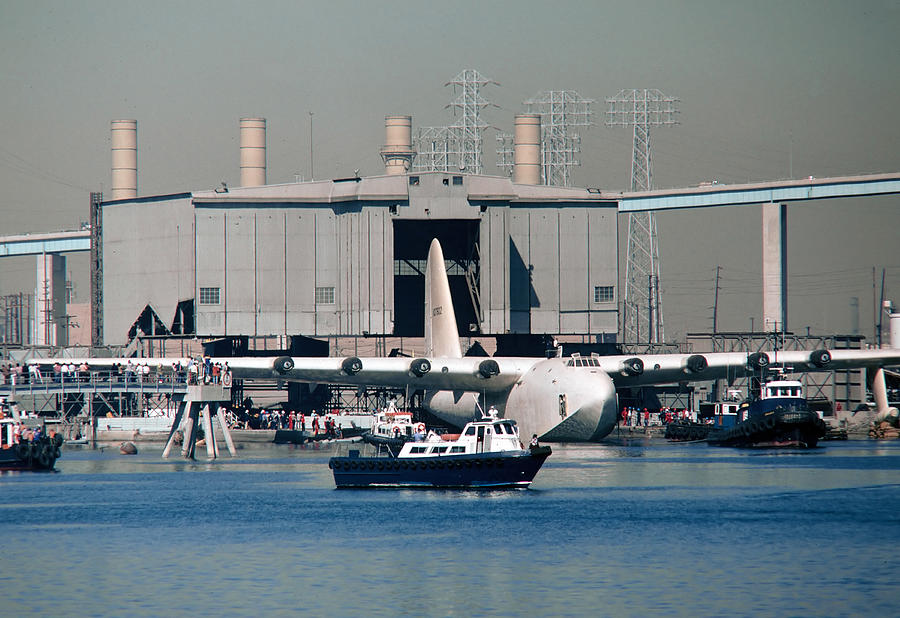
{"x":486,"y":454}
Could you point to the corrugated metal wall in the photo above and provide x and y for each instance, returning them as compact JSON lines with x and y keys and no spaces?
{"x":539,"y":264}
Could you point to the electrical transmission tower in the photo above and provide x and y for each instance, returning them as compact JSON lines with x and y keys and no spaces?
{"x":457,"y":147}
{"x":642,"y":318}
{"x":561,"y":112}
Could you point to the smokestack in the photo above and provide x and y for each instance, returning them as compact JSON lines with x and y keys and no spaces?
{"x":253,"y":152}
{"x":124,"y":159}
{"x":527,"y":153}
{"x":397,"y":151}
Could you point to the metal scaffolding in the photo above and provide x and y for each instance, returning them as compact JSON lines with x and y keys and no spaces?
{"x":642,"y":316}
{"x":561,"y":112}
{"x":459,"y":146}
{"x":844,"y":387}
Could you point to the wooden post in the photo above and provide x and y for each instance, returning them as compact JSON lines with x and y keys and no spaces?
{"x":190,"y":432}
{"x":176,"y":424}
{"x":208,"y":430}
{"x":211,"y":410}
{"x":226,"y":432}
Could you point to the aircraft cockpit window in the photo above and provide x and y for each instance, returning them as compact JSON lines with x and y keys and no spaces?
{"x":571,"y":363}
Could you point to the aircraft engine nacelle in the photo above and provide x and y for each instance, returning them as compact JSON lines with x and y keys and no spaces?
{"x":420,"y":367}
{"x":820,"y":358}
{"x":695,"y":363}
{"x":488,"y":368}
{"x":283,"y":364}
{"x":632,"y":367}
{"x":351,"y":365}
{"x":758,"y":360}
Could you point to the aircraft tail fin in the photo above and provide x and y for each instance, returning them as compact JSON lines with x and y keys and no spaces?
{"x":441,"y":336}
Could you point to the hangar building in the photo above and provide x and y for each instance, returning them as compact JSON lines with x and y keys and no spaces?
{"x":346,"y":257}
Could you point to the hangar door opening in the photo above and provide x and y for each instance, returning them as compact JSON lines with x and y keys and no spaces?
{"x":459,"y":240}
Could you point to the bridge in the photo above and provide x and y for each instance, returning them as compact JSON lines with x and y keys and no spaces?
{"x":775,"y":192}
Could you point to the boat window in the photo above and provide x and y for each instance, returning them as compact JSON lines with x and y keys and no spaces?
{"x":439,"y":449}
{"x":470,"y":431}
{"x":418,"y":449}
{"x":498,"y":428}
{"x":457,"y":449}
{"x":510,"y":429}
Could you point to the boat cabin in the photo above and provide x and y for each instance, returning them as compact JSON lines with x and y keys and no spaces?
{"x":488,"y":435}
{"x":785,"y":394}
{"x":782,"y":389}
{"x":392,"y":423}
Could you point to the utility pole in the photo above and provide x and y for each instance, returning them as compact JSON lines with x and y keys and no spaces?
{"x":881,"y":309}
{"x":874,"y":310}
{"x":716,"y":303}
{"x":311,"y":176}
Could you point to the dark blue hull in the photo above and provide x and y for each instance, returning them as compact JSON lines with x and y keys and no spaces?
{"x":477,"y":471}
{"x":777,"y":428}
{"x":31,"y":455}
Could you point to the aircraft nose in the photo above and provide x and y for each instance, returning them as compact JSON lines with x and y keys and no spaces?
{"x":603,"y":410}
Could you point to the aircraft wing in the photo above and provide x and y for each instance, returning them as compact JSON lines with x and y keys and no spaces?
{"x":647,"y":369}
{"x":468,"y":374}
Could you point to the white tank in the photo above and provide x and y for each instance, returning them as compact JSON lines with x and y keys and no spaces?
{"x":397,"y":151}
{"x":124,"y":159}
{"x":527,"y":153}
{"x":253,"y":152}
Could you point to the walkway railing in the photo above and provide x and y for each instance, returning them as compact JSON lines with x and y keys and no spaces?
{"x":154,"y":383}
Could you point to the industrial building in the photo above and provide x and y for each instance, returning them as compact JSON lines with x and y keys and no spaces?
{"x":346,"y":257}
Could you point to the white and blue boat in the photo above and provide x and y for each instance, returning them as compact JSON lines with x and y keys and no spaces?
{"x":487,"y":454}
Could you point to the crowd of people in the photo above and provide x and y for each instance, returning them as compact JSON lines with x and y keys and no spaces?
{"x":642,"y":417}
{"x":196,"y":371}
{"x":317,"y":424}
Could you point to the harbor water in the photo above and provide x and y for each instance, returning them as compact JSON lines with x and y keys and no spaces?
{"x":634,"y":528}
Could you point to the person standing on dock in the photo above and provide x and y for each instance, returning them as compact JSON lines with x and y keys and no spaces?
{"x":302,"y":422}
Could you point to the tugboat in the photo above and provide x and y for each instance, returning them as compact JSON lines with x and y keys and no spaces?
{"x":486,"y":455}
{"x":33,"y":451}
{"x":779,"y":417}
{"x":392,"y":429}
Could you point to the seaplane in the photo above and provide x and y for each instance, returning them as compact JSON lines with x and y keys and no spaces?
{"x":560,"y":399}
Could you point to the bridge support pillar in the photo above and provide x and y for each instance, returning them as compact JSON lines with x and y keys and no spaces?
{"x":50,"y":320}
{"x":774,"y":266}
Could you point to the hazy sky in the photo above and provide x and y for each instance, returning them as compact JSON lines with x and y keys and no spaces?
{"x":764,"y":87}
